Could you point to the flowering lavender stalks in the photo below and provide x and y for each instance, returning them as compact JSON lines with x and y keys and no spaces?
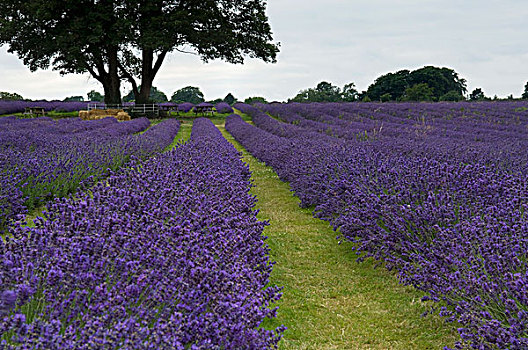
{"x":165,"y":254}
{"x":8,"y":107}
{"x":42,"y":159}
{"x":223,"y":108}
{"x":437,"y":191}
{"x":185,"y":107}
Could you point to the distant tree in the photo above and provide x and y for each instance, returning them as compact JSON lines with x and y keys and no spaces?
{"x":95,"y":96}
{"x":156,"y":96}
{"x":349,"y":93}
{"x":366,"y":99}
{"x":477,"y":95}
{"x":440,"y":80}
{"x":190,"y":94}
{"x":10,"y":96}
{"x":453,"y":96}
{"x":393,"y":84}
{"x":361,"y":95}
{"x":216,"y":101}
{"x":418,"y":92}
{"x":74,"y":99}
{"x":386,"y":97}
{"x":510,"y":97}
{"x":525,"y":93}
{"x":230,"y":99}
{"x":326,"y":92}
{"x":253,"y":100}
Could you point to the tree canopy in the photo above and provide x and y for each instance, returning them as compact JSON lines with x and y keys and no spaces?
{"x":525,"y":93}
{"x":230,"y":99}
{"x":477,"y":95}
{"x":441,"y":80}
{"x":74,"y":99}
{"x":418,"y":92}
{"x":129,"y":39}
{"x":326,"y":92}
{"x":190,"y":94}
{"x":4,"y":95}
{"x":256,"y":99}
{"x":95,"y":96}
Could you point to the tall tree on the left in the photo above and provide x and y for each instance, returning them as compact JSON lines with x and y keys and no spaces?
{"x":70,"y":36}
{"x":129,"y":39}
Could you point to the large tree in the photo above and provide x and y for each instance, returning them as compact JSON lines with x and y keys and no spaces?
{"x":190,"y":94}
{"x":326,"y":92}
{"x":129,"y":39}
{"x":441,"y":80}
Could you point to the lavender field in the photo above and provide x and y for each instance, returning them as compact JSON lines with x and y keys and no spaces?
{"x":438,"y":192}
{"x":145,"y":243}
{"x":157,"y":250}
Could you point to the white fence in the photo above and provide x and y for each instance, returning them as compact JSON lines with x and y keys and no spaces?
{"x":136,"y":109}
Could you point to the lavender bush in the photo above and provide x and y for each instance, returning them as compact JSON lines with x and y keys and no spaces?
{"x":438,"y":193}
{"x":42,"y":159}
{"x":223,"y":108}
{"x":185,"y":107}
{"x":8,"y":107}
{"x":167,"y":253}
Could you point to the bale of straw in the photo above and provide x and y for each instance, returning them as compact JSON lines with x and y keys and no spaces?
{"x":96,"y":112}
{"x":113,"y":111}
{"x":122,"y":116}
{"x":84,"y":115}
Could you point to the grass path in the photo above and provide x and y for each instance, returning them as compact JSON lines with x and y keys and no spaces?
{"x":329,"y":300}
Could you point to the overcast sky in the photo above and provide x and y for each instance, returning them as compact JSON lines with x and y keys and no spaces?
{"x":339,"y":41}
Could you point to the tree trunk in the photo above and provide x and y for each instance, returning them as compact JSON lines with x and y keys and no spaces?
{"x":149,"y":70}
{"x":112,"y":81}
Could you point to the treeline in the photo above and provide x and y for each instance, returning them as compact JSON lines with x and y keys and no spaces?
{"x":429,"y":84}
{"x":190,"y":94}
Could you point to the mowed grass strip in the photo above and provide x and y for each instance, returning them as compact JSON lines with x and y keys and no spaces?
{"x":330,"y":301}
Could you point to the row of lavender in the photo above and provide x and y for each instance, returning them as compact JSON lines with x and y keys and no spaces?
{"x":166,"y":254}
{"x":41,"y":158}
{"x":10,"y":107}
{"x":495,"y":133}
{"x":454,"y":229}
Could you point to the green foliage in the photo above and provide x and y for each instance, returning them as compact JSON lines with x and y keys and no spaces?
{"x":74,"y":99}
{"x":418,"y":92}
{"x":156,"y":96}
{"x":256,"y":99}
{"x":230,"y":99}
{"x":440,"y":80}
{"x":10,"y":96}
{"x":326,"y":92}
{"x":452,"y":96}
{"x":190,"y":94}
{"x":386,"y":97}
{"x":216,"y":101}
{"x":393,"y":84}
{"x":366,"y":99}
{"x":525,"y":93}
{"x":477,"y":95}
{"x":95,"y":96}
{"x":349,"y":93}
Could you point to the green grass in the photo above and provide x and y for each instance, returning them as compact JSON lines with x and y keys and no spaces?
{"x":330,"y":301}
